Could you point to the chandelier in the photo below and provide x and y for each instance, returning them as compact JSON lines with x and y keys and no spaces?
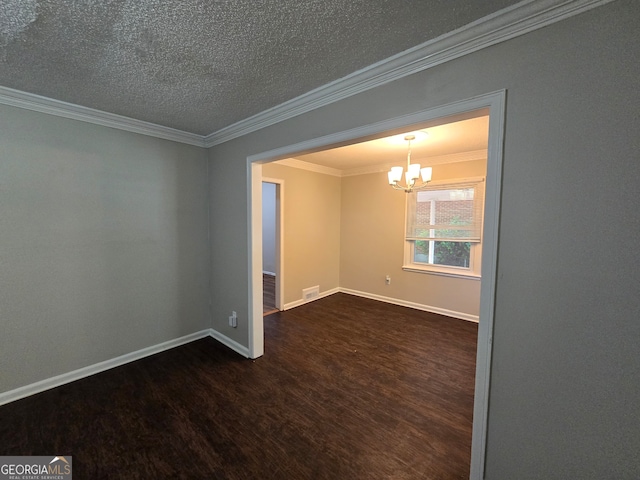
{"x":413,"y":173}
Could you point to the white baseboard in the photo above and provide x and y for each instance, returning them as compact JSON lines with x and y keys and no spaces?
{"x":417,"y":306}
{"x":297,"y":303}
{"x":49,"y":383}
{"x":232,"y":344}
{"x":69,"y":377}
{"x":381,"y":298}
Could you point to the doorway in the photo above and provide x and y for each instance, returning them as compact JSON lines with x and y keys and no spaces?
{"x":495,"y":104}
{"x":272,"y":226}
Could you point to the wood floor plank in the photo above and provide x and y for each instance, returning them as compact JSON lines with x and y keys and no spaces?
{"x":268,"y":294}
{"x":348,"y":388}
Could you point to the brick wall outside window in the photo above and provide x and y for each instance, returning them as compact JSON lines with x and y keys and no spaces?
{"x":460,"y":212}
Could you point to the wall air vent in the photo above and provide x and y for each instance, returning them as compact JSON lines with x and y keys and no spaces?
{"x":310,"y":293}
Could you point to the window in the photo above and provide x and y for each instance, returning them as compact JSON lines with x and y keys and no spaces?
{"x":444,"y":228}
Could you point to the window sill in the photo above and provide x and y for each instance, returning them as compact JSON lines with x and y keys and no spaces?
{"x":445,"y":272}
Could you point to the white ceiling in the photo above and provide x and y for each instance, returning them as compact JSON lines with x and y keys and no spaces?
{"x":201,"y":65}
{"x":448,"y":142}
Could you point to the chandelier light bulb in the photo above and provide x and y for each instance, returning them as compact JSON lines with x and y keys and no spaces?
{"x":412,"y":174}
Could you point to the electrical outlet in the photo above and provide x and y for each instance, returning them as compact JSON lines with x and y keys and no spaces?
{"x":233,"y":320}
{"x":387,"y":280}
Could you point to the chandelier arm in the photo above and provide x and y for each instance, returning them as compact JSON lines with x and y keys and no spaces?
{"x":422,"y":186}
{"x":410,"y":183}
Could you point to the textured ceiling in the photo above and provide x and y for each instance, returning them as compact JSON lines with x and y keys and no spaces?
{"x":199,"y":65}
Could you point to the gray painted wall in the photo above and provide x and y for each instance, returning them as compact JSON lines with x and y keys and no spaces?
{"x":564,"y":392}
{"x":103,"y":244}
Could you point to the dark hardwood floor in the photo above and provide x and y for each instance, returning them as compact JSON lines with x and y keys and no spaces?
{"x":268,"y":294}
{"x":348,"y":388}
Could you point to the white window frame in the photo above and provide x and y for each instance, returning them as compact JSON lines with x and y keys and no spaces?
{"x":475,"y":257}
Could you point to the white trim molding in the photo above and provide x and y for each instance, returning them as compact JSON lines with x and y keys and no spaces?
{"x":312,"y":167}
{"x":279,"y":250}
{"x":417,"y":306}
{"x":351,"y":172}
{"x":37,"y":103}
{"x":49,"y":383}
{"x":508,"y":23}
{"x":57,"y":381}
{"x":394,"y":301}
{"x":254,"y":255}
{"x":495,"y":102}
{"x":302,"y":301}
{"x":519,"y":19}
{"x":229,"y":342}
{"x":435,"y":160}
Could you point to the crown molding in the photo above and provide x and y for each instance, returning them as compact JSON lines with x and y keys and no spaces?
{"x":311,"y":167}
{"x":424,"y":161}
{"x":519,"y":19}
{"x":508,"y":23}
{"x":37,"y":103}
{"x":351,"y":172}
{"x":455,"y":157}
